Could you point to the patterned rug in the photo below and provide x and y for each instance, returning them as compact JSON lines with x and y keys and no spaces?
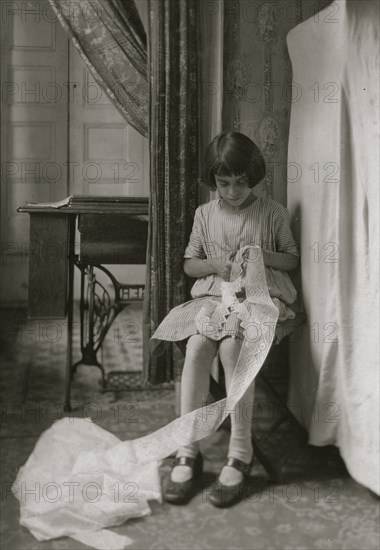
{"x":307,"y":513}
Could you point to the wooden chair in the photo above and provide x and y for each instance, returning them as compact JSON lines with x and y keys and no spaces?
{"x":283,"y":330}
{"x":281,"y":443}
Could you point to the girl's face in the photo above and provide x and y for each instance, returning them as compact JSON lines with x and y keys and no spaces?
{"x":233,"y":189}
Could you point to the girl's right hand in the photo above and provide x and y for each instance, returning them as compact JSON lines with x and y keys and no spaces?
{"x":222,"y":268}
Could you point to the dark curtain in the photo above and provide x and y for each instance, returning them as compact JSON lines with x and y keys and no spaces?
{"x":110,"y":37}
{"x":173,"y":55}
{"x":111,"y":40}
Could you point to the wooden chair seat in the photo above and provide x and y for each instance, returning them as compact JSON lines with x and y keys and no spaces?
{"x":283,"y":330}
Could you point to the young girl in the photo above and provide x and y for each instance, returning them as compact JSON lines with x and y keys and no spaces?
{"x":233,"y":165}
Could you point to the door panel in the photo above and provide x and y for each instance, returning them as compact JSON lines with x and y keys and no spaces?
{"x":107,"y":156}
{"x":34,"y":73}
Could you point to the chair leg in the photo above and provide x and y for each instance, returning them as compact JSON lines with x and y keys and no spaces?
{"x":177,"y":397}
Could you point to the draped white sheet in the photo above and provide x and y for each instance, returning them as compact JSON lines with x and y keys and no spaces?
{"x":333,"y":183}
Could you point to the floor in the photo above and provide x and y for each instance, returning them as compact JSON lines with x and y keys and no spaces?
{"x":306,"y":513}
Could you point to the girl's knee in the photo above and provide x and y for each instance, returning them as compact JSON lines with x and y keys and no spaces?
{"x":229,"y":351}
{"x":231,"y":341}
{"x":200,"y":345}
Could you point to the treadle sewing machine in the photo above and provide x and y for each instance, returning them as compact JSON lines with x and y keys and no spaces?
{"x":113,"y":230}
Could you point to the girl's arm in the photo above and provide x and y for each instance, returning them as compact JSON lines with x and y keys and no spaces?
{"x":280,"y":260}
{"x":197,"y":267}
{"x":286,"y":257}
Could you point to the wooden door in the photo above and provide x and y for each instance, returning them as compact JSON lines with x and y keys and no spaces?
{"x":60,"y":134}
{"x":34,"y":129}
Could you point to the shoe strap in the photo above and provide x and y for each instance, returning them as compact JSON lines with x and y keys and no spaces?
{"x":184,"y":461}
{"x":239,"y":465}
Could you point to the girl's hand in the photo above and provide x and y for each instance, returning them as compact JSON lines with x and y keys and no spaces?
{"x":222,"y":268}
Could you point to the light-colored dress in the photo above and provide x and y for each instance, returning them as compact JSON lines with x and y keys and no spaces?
{"x":218,"y":233}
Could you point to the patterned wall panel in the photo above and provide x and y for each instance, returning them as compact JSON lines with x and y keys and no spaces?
{"x":257,"y":80}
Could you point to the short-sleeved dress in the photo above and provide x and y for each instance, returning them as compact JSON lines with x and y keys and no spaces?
{"x":218,"y":233}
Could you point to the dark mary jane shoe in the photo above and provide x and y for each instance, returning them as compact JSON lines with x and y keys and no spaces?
{"x":181,"y":493}
{"x":223,"y":496}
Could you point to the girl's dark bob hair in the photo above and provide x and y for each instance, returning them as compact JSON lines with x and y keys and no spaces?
{"x":233,"y":154}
